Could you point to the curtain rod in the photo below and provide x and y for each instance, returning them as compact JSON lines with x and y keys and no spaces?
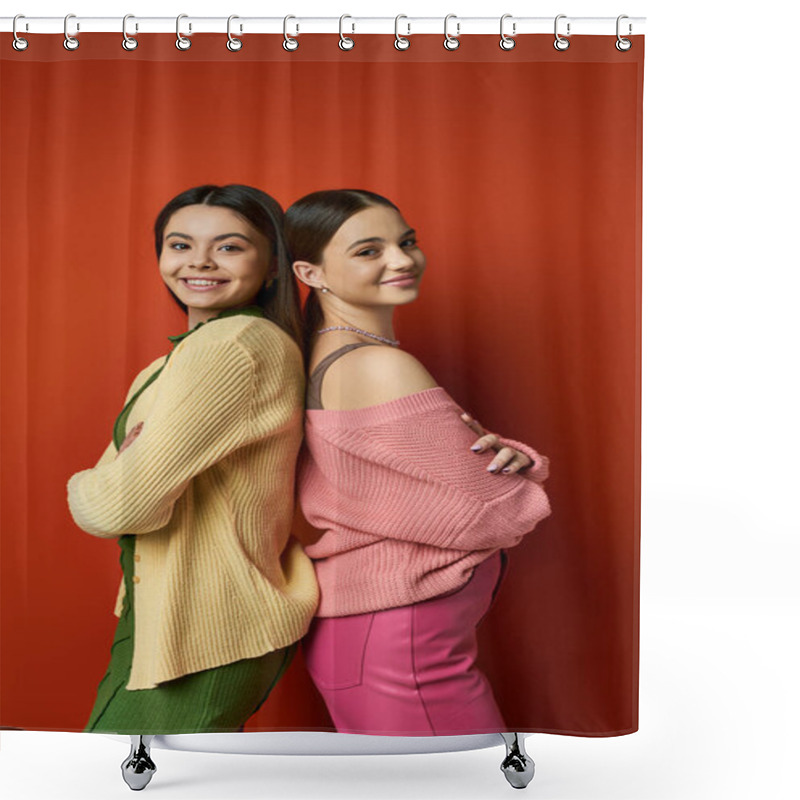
{"x":407,"y":26}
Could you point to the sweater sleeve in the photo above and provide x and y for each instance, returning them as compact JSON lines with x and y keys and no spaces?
{"x":199,"y":415}
{"x":415,"y":479}
{"x":110,"y":453}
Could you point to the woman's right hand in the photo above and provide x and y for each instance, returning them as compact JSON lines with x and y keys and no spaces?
{"x":129,"y":439}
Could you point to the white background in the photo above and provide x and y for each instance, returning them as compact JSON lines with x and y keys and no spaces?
{"x":719,"y":683}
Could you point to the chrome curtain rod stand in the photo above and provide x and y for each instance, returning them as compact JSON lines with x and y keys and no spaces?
{"x":517,"y":766}
{"x":138,"y":768}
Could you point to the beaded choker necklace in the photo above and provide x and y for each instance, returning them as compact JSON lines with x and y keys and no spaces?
{"x":392,"y":342}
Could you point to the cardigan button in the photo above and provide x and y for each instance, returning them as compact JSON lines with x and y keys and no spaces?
{"x":137,"y":557}
{"x":136,"y":579}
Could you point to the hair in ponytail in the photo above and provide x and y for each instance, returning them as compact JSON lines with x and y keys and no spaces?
{"x":310,"y":224}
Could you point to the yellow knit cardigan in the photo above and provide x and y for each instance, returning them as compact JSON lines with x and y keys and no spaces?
{"x":208,"y":487}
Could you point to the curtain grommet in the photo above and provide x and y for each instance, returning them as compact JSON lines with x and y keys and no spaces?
{"x":451,"y":42}
{"x":18,"y":43}
{"x":182,"y":43}
{"x":290,"y":44}
{"x":233,"y":44}
{"x":622,"y":44}
{"x":345,"y":42}
{"x":561,"y":43}
{"x":400,"y":42}
{"x":70,"y":42}
{"x":507,"y":42}
{"x":129,"y":42}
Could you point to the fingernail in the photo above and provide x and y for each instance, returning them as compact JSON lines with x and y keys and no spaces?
{"x":475,"y":448}
{"x":493,"y":468}
{"x":506,"y":470}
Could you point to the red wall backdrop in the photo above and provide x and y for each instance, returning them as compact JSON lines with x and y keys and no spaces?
{"x":521,"y":171}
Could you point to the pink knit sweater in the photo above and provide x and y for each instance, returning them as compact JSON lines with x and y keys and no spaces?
{"x":407,"y":511}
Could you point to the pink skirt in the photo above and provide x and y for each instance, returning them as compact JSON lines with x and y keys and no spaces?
{"x":409,"y":671}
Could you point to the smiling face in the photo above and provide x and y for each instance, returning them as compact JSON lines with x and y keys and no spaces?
{"x":213,"y":260}
{"x":373,"y":259}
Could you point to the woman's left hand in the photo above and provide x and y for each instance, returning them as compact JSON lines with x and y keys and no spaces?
{"x":131,"y":437}
{"x":507,"y":460}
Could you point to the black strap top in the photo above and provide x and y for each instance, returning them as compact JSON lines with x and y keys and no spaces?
{"x":314,"y":386}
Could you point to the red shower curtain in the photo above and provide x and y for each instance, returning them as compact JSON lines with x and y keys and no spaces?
{"x":521,"y":171}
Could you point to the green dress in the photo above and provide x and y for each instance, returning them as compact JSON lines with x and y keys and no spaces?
{"x":211,"y":701}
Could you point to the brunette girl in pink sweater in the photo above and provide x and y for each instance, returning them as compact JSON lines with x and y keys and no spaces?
{"x":414,"y":512}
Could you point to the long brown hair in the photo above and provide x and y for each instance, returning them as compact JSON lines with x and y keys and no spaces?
{"x":309,"y":224}
{"x":281,"y":300}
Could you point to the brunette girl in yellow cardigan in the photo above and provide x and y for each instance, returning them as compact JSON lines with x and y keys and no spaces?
{"x":198,"y":482}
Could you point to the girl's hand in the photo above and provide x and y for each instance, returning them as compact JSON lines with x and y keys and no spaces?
{"x":507,"y":460}
{"x":129,"y":439}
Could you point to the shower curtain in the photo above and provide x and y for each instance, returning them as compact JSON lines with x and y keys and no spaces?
{"x":521,"y":172}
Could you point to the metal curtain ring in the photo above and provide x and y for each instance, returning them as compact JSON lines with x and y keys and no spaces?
{"x":451,"y":42}
{"x":506,"y":42}
{"x":128,"y":42}
{"x":623,"y":45}
{"x":400,"y":42}
{"x":182,"y":43}
{"x":233,"y":44}
{"x":560,"y":43}
{"x":70,"y":42}
{"x":345,"y":42}
{"x":289,"y":43}
{"x":18,"y":43}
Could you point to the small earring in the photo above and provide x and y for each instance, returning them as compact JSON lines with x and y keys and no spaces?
{"x":324,"y":290}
